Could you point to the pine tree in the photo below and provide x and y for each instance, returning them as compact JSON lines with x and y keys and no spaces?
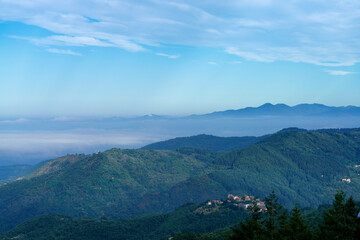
{"x":283,"y":231}
{"x":273,"y":213}
{"x":251,"y":228}
{"x":297,"y":227}
{"x":340,"y":221}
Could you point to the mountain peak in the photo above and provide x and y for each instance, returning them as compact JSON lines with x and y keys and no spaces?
{"x":273,"y":106}
{"x":266,"y":105}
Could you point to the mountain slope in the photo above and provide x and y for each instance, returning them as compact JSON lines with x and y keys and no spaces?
{"x":204,"y":141}
{"x":95,"y":185}
{"x":302,"y":166}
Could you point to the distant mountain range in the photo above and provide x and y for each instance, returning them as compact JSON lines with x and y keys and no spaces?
{"x":269,"y":109}
{"x":91,"y":134}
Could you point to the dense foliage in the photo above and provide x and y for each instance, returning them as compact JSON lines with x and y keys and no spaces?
{"x":337,"y":221}
{"x":161,"y":226}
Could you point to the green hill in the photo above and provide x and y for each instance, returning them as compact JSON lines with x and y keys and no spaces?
{"x":306,"y":167}
{"x":96,"y":185}
{"x":208,"y":142}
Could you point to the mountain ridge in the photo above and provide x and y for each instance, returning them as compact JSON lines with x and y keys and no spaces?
{"x":205,"y":141}
{"x":280,"y":109}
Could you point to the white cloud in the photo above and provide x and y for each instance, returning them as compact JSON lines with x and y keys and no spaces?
{"x":212,"y":63}
{"x":338,"y":73}
{"x":102,"y":40}
{"x":168,"y":55}
{"x":236,"y":62}
{"x":76,"y":41}
{"x":61,"y":51}
{"x":293,"y":54}
{"x":19,"y":120}
{"x":256,"y":30}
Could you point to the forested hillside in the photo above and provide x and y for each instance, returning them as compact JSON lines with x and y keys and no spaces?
{"x":186,"y":218}
{"x":305,"y":167}
{"x":222,"y":220}
{"x":95,"y":185}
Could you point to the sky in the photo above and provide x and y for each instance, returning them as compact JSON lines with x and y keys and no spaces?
{"x":126,"y":58}
{"x":67,"y":67}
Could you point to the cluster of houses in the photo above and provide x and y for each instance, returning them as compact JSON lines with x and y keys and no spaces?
{"x":245,"y":202}
{"x":348,"y":180}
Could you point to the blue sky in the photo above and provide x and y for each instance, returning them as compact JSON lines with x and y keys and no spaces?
{"x":119,"y":58}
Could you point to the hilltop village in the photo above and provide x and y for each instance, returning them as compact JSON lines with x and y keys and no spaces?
{"x":245,"y":202}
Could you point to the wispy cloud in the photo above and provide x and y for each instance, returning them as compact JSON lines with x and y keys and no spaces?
{"x":19,"y":120}
{"x":267,"y":31}
{"x":236,"y":62}
{"x":102,"y":40}
{"x":61,"y":51}
{"x":168,"y":55}
{"x":338,"y":73}
{"x":212,"y":63}
{"x":76,"y":41}
{"x":292,"y":54}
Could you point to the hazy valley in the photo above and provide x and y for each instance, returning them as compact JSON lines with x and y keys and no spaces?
{"x":31,"y":140}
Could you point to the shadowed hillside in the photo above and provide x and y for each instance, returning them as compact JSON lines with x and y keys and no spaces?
{"x":159,"y":226}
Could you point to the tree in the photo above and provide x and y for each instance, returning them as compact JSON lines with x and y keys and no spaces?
{"x":268,"y":225}
{"x":283,"y":223}
{"x":340,"y":221}
{"x":297,"y":227}
{"x":251,"y":228}
{"x":273,"y":216}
